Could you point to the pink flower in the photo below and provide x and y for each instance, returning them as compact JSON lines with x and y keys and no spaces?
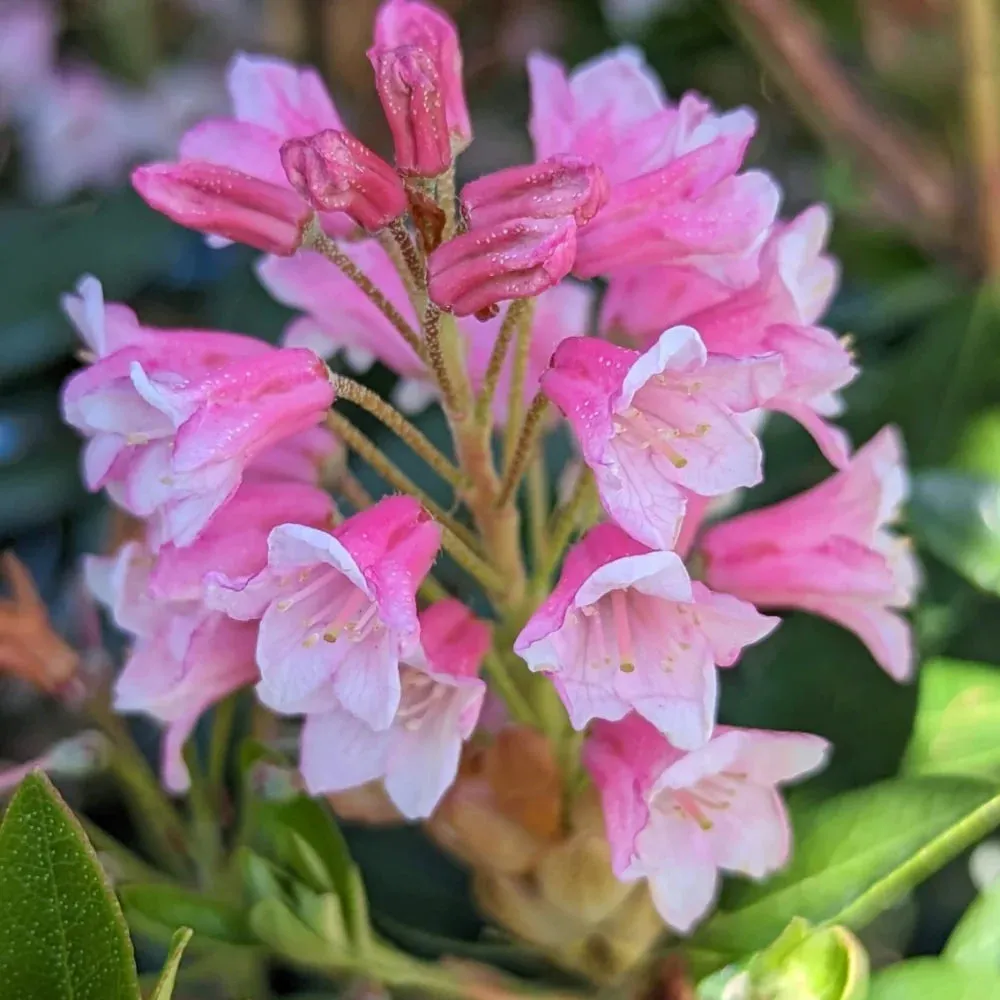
{"x":333,"y":171}
{"x":774,"y":312}
{"x":561,"y":312}
{"x":518,"y":259}
{"x":339,"y":610}
{"x":417,"y":754}
{"x":827,"y":551}
{"x":300,"y":458}
{"x":410,"y":90}
{"x":426,"y":27}
{"x":273,"y":101}
{"x":625,"y":629}
{"x":184,"y":657}
{"x":175,"y":417}
{"x":651,"y":424}
{"x":339,"y":317}
{"x":677,"y":819}
{"x":225,"y":203}
{"x":554,"y":188}
{"x":676,"y":194}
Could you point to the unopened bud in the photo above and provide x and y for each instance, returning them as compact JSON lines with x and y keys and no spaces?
{"x":410,"y":90}
{"x":226,"y":203}
{"x":335,"y":172}
{"x":555,"y":188}
{"x":412,"y":22}
{"x":517,"y":259}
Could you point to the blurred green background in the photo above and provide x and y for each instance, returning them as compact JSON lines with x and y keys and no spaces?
{"x":880,"y":108}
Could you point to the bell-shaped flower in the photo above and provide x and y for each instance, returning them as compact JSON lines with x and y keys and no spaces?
{"x":184,"y":657}
{"x":338,"y":610}
{"x":174,"y":417}
{"x":625,"y":629}
{"x":516,"y":259}
{"x":677,"y":819}
{"x":828,"y":551}
{"x":335,"y":172}
{"x":417,"y":755}
{"x":676,"y":194}
{"x":426,"y":27}
{"x":273,"y":101}
{"x":655,"y":424}
{"x":554,"y":188}
{"x":775,"y":311}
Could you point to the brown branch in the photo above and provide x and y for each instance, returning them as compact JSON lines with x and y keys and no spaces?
{"x":920,"y":185}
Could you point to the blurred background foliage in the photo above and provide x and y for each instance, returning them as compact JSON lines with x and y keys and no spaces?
{"x":873,"y":106}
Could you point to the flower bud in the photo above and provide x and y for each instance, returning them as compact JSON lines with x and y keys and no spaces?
{"x":335,"y":172}
{"x":410,"y":22}
{"x":409,"y":87}
{"x":226,"y":203}
{"x":555,"y":188}
{"x":516,"y":259}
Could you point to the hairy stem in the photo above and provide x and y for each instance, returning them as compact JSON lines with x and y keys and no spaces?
{"x":408,"y":251}
{"x":538,"y":506}
{"x":563,"y":523}
{"x":511,"y":320}
{"x":518,"y":371}
{"x":524,"y":448}
{"x":317,"y":240}
{"x":435,"y":351}
{"x":373,"y":403}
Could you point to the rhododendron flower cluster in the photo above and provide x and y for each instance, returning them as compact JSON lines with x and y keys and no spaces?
{"x":602,"y":609}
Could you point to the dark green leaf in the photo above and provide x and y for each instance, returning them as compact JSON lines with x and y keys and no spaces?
{"x":958,"y":719}
{"x":164,"y":988}
{"x":171,"y":906}
{"x":975,"y":942}
{"x":957,"y":517}
{"x":856,"y":854}
{"x":62,"y":934}
{"x":932,"y":979}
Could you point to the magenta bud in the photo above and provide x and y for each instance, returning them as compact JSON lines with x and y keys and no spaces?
{"x":335,"y":172}
{"x":409,"y":87}
{"x":226,"y":203}
{"x":558,"y":186}
{"x":514,"y":259}
{"x":414,"y":23}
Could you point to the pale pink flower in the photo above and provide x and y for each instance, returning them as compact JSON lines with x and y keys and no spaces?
{"x":338,"y":610}
{"x":625,"y":629}
{"x":828,"y":551}
{"x":554,"y":188}
{"x":676,"y":194}
{"x":516,"y":259}
{"x":677,"y":819}
{"x":28,"y":31}
{"x":774,"y":312}
{"x":335,"y":172}
{"x":273,"y":101}
{"x":184,"y":657}
{"x":225,"y":203}
{"x":561,"y":312}
{"x":417,"y":754}
{"x":174,"y":417}
{"x":651,"y":424}
{"x":425,"y":27}
{"x":340,"y":317}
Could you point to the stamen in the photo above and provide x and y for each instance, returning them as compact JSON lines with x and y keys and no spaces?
{"x":623,"y":633}
{"x":651,"y":437}
{"x":690,"y":805}
{"x":347,"y":611}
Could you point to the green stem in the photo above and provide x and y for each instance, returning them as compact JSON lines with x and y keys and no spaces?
{"x":360,"y":395}
{"x":435,"y":351}
{"x":153,"y":812}
{"x":504,"y":685}
{"x":523,"y":449}
{"x":511,"y":321}
{"x":316,"y":239}
{"x":223,"y":720}
{"x":408,"y":252}
{"x":563,"y":523}
{"x":538,"y":506}
{"x":929,"y":859}
{"x":518,"y":372}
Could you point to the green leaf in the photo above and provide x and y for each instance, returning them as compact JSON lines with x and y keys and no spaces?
{"x":277,"y":926}
{"x":957,"y":517}
{"x":164,"y":988}
{"x":167,"y":907}
{"x":856,"y":854}
{"x":62,"y":933}
{"x":958,"y":719}
{"x":932,"y":979}
{"x":975,"y":942}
